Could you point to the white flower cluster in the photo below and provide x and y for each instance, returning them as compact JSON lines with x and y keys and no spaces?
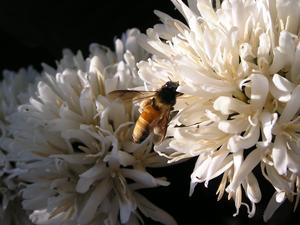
{"x":15,"y":89}
{"x":74,"y":144}
{"x":239,"y":62}
{"x":66,"y":151}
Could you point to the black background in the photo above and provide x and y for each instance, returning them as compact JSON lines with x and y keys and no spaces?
{"x":32,"y":32}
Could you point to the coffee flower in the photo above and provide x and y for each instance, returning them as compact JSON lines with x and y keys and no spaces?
{"x":239,"y":65}
{"x":15,"y":89}
{"x":82,"y":167}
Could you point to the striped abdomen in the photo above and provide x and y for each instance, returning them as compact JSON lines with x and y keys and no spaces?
{"x":142,"y":126}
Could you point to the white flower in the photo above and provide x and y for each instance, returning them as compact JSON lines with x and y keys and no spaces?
{"x":239,"y":63}
{"x":82,"y":167}
{"x":15,"y":89}
{"x":119,"y":67}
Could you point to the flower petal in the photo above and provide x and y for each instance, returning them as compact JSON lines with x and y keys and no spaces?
{"x":279,"y":155}
{"x":259,"y":89}
{"x":252,"y":190}
{"x":291,"y":107}
{"x":272,"y":206}
{"x":143,"y":177}
{"x":227,"y":105}
{"x":238,"y":142}
{"x":95,"y":199}
{"x":246,"y":168}
{"x":268,"y":122}
{"x":152,"y":211}
{"x":281,"y":88}
{"x":87,"y":178}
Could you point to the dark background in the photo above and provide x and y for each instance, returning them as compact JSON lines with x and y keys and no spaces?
{"x":32,"y":32}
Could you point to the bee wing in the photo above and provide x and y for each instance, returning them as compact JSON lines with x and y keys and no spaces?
{"x":130,"y":95}
{"x":160,"y":126}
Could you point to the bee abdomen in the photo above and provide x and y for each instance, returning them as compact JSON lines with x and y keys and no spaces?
{"x":141,"y":130}
{"x":142,"y":126}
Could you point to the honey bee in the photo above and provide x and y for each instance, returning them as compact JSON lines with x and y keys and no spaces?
{"x":155,"y":110}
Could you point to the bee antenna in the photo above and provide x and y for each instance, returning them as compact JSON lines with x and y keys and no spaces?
{"x":169,"y":78}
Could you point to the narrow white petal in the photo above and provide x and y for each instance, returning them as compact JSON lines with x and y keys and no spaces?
{"x":282,"y":83}
{"x":237,"y":142}
{"x":142,"y":177}
{"x":291,"y":107}
{"x":153,"y":44}
{"x":293,"y":162}
{"x":252,"y":190}
{"x":207,"y":12}
{"x":87,"y":104}
{"x":186,"y":12}
{"x":279,"y":155}
{"x":280,"y":197}
{"x":259,"y":89}
{"x":47,"y":95}
{"x":78,"y":158}
{"x":87,"y":178}
{"x":126,"y":208}
{"x":125,"y":158}
{"x":199,"y":173}
{"x":228,"y":105}
{"x":295,"y":70}
{"x":152,"y":211}
{"x":224,"y":166}
{"x":80,"y":136}
{"x":42,"y":217}
{"x":235,"y":126}
{"x":203,"y":79}
{"x":89,"y":210}
{"x":268,"y":121}
{"x":272,"y":206}
{"x":246,"y":168}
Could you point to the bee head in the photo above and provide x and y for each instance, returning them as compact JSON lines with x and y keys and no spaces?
{"x":167,"y":94}
{"x":171,"y":85}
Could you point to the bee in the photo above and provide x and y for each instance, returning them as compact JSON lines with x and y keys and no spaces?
{"x":155,"y":110}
